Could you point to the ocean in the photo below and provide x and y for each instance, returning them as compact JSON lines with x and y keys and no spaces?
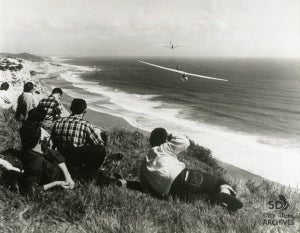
{"x":252,"y":121}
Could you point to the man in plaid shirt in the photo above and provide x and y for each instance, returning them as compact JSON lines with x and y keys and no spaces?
{"x":78,"y":140}
{"x":53,"y":107}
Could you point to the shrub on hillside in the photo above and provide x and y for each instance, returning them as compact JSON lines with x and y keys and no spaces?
{"x":135,"y":145}
{"x":9,"y":130}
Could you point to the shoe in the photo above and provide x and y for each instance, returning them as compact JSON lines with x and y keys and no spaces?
{"x":230,"y":202}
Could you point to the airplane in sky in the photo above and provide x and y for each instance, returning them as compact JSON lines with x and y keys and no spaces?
{"x":184,"y":75}
{"x":170,"y":45}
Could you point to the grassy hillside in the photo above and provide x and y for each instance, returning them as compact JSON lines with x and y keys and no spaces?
{"x":90,"y":208}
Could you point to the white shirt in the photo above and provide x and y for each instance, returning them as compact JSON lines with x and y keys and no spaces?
{"x":44,"y":136}
{"x":5,"y":99}
{"x":161,"y":166}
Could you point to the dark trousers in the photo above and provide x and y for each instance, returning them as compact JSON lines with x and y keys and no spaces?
{"x":190,"y":182}
{"x":193,"y":183}
{"x":37,"y":167}
{"x":87,"y":159}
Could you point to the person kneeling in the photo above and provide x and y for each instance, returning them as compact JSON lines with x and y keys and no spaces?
{"x":164,"y":174}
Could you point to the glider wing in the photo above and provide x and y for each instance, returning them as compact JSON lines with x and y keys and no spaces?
{"x":182,"y":72}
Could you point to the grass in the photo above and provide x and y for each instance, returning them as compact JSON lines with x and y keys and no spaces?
{"x":90,"y":208}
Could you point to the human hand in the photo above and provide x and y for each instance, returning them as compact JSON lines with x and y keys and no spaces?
{"x":70,"y":183}
{"x":64,"y":184}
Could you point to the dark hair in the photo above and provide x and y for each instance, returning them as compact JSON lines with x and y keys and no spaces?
{"x":78,"y":106}
{"x":158,"y":136}
{"x":4,"y":86}
{"x":57,"y":90}
{"x":30,"y":131}
{"x":28,"y":86}
{"x":30,"y":134}
{"x":37,"y":114}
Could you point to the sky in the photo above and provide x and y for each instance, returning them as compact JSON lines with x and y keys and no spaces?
{"x":215,"y":28}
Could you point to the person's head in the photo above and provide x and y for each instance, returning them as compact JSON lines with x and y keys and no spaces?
{"x":4,"y":86}
{"x":158,"y":136}
{"x":78,"y":106}
{"x":28,"y":87}
{"x":30,"y":134}
{"x":57,"y":92}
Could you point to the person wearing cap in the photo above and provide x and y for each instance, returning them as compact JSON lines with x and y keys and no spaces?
{"x":5,"y":98}
{"x":25,"y":102}
{"x":53,"y":108}
{"x":162,"y":173}
{"x":40,"y":163}
{"x":78,"y":140}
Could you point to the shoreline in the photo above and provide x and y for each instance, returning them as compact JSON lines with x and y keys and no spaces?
{"x":103,"y":120}
{"x":51,"y":70}
{"x":107,"y":121}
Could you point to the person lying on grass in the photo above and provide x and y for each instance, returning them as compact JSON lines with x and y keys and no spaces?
{"x":164,"y":174}
{"x":47,"y":166}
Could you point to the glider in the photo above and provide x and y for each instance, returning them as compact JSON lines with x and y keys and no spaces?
{"x":170,"y":45}
{"x":184,"y":75}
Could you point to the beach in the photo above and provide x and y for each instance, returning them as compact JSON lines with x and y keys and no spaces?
{"x":268,"y":149}
{"x":52,"y":74}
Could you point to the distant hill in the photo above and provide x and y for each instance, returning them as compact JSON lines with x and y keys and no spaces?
{"x":25,"y":56}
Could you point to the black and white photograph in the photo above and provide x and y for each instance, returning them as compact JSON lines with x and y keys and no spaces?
{"x":151,"y":116}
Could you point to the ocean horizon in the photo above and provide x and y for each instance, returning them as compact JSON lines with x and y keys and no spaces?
{"x":252,"y":121}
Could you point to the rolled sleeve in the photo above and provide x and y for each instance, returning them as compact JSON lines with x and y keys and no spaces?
{"x":177,"y":144}
{"x":94,"y":136}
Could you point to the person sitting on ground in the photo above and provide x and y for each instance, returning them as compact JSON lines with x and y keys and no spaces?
{"x":26,"y":102}
{"x":79,"y":141}
{"x":5,"y":98}
{"x":44,"y":165}
{"x":164,"y":174}
{"x":53,"y":107}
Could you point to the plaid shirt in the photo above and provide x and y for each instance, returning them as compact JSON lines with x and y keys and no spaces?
{"x":73,"y":131}
{"x":53,"y":108}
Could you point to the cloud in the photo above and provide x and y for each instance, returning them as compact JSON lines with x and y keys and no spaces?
{"x":127,"y":27}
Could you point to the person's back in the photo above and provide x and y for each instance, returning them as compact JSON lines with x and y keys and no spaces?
{"x":73,"y":132}
{"x":25,"y":102}
{"x":78,"y":140}
{"x":53,"y":108}
{"x":161,"y":166}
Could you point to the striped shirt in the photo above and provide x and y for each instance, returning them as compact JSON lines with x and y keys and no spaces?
{"x":53,"y":108}
{"x":73,"y":131}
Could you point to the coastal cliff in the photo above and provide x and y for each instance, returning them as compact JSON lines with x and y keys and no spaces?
{"x":90,"y":208}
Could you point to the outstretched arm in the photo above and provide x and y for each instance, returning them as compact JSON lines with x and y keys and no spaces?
{"x":55,"y":184}
{"x":67,"y":184}
{"x":68,"y":178}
